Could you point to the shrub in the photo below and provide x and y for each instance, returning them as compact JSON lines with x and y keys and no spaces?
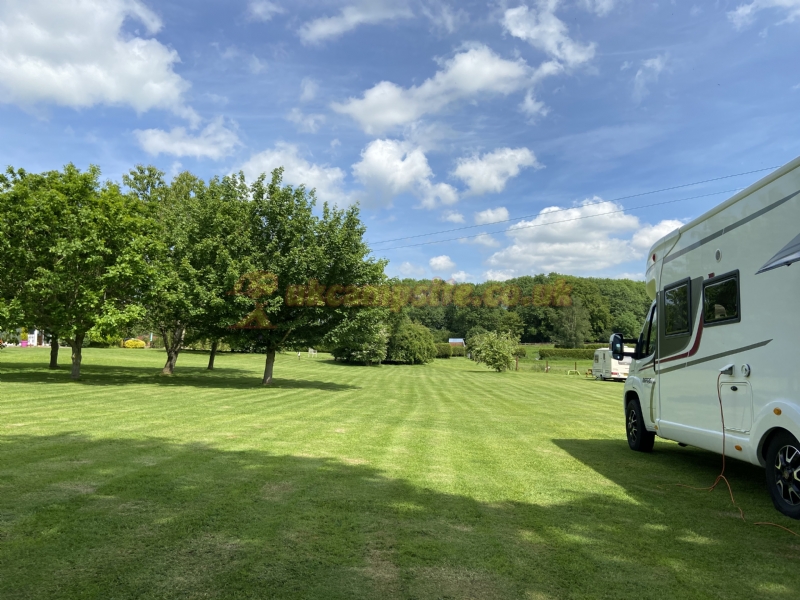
{"x":520,"y":352}
{"x":411,"y":343}
{"x":23,"y":335}
{"x":586,"y":346}
{"x":495,"y":350}
{"x":134,"y":343}
{"x":444,"y":350}
{"x":362,"y":339}
{"x":566,"y":353}
{"x":458,"y":351}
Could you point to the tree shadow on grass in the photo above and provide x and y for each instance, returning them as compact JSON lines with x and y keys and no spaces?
{"x":198,"y":377}
{"x":147,"y":518}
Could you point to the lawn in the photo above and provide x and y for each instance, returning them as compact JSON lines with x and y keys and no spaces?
{"x":439,"y":481}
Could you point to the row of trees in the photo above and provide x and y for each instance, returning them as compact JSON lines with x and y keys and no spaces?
{"x":187,"y":258}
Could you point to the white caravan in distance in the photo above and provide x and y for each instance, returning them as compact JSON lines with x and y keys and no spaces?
{"x":724,"y":328}
{"x":608,"y":367}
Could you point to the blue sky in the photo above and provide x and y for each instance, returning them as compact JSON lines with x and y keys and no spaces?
{"x":433,"y":115}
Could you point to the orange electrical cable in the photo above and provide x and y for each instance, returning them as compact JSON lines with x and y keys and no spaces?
{"x":721,"y":476}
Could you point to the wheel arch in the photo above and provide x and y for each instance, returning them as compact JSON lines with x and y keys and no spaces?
{"x":763,"y":444}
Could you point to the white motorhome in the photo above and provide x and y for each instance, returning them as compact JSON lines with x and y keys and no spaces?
{"x":608,"y":367}
{"x":724,"y":329}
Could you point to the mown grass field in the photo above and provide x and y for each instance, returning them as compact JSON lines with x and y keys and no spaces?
{"x":442,"y":481}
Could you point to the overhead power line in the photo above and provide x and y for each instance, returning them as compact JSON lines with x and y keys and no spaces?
{"x":611,"y":212}
{"x":677,"y":187}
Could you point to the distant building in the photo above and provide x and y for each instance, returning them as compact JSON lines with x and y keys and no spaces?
{"x":457,"y":342}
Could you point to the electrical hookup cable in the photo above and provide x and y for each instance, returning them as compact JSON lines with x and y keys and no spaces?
{"x":721,"y":476}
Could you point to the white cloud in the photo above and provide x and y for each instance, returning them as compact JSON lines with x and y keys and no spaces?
{"x":409,"y":270}
{"x":492,"y":275}
{"x":328,"y":181}
{"x":453,"y":216}
{"x":482,"y":239}
{"x":263,"y":10}
{"x":532,"y":107}
{"x":581,"y":239}
{"x":490,"y":172}
{"x":744,"y":14}
{"x":601,"y":7}
{"x":255,"y":65}
{"x":646,"y":75}
{"x":74,"y":53}
{"x":491,"y":215}
{"x":215,"y":141}
{"x":471,"y":73}
{"x":443,"y":16}
{"x":543,"y":30}
{"x":305,"y":123}
{"x":461,"y":276}
{"x":389,"y":168}
{"x":441,"y":263}
{"x":631,"y":276}
{"x":308,"y":90}
{"x":350,"y":17}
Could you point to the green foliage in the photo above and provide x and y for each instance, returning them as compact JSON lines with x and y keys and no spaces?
{"x":411,"y":343}
{"x":589,"y":346}
{"x":73,"y":253}
{"x":495,"y":350}
{"x":520,"y":352}
{"x":566,"y":353}
{"x":444,"y":350}
{"x":573,"y":325}
{"x":23,"y":335}
{"x":458,"y":351}
{"x":362,"y":339}
{"x":134,"y":343}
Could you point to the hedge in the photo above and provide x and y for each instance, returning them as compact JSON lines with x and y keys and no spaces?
{"x":570,"y":353}
{"x":444,"y":350}
{"x":458,"y":350}
{"x":520,"y":352}
{"x":594,"y":346}
{"x":135,"y":344}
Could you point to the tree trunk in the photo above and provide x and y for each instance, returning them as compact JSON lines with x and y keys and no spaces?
{"x":211,"y":358}
{"x":173,"y":348}
{"x":53,"y":352}
{"x":268,"y":369}
{"x":77,"y":349}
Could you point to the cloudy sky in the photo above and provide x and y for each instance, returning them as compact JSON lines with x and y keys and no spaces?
{"x":528,"y":135}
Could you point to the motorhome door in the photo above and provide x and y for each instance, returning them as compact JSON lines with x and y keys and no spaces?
{"x":646,"y":366}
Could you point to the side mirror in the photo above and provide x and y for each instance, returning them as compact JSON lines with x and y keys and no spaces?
{"x":617,"y":346}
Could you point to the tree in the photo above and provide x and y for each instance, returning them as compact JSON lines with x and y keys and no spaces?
{"x":73,"y":253}
{"x":495,"y":350}
{"x":411,"y":343}
{"x":573,"y":326}
{"x":362,"y":339}
{"x":311,"y":260}
{"x":201,"y":233}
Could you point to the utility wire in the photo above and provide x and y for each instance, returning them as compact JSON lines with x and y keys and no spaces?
{"x":677,"y":187}
{"x":467,"y":237}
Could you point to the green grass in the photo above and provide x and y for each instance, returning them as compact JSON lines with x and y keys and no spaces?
{"x":442,"y":481}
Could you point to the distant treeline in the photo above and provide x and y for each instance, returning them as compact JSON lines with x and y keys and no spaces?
{"x":599,"y":307}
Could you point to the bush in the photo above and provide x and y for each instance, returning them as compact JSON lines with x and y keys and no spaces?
{"x":495,"y":350}
{"x":520,"y":352}
{"x":411,"y":343}
{"x":134,"y":343}
{"x":585,"y":347}
{"x":566,"y":353}
{"x":460,"y":351}
{"x":444,"y":350}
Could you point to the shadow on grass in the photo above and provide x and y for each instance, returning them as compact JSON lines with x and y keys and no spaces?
{"x":148,"y":518}
{"x":200,"y":377}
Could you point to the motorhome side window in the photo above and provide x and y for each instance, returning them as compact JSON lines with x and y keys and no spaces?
{"x":652,"y":335}
{"x":677,"y":318}
{"x":721,"y":300}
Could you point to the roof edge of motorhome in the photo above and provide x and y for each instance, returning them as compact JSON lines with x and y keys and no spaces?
{"x":764,"y":181}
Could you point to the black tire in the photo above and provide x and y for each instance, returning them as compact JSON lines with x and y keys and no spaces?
{"x":783,"y":473}
{"x":639,"y":439}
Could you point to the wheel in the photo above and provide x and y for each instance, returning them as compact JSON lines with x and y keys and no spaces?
{"x":639,"y":439}
{"x":783,"y":474}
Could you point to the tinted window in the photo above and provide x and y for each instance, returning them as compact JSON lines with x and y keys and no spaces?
{"x":721,"y":301}
{"x":652,"y":336}
{"x":676,"y":310}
